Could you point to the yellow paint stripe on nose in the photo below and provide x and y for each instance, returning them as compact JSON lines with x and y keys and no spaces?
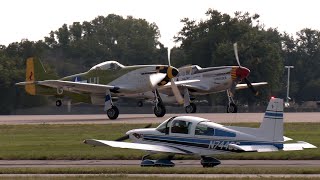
{"x":233,"y":73}
{"x":169,"y":72}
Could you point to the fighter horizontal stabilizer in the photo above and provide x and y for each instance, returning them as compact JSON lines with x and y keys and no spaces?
{"x":300,"y":145}
{"x":254,"y":148}
{"x":127,"y":145}
{"x":244,"y":86}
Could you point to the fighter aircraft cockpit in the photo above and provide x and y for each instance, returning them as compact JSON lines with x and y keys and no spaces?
{"x":108,"y":65}
{"x":189,"y":70}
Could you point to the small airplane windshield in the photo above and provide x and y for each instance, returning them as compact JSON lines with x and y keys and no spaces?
{"x":182,"y":127}
{"x":108,"y":65}
{"x":163,"y":127}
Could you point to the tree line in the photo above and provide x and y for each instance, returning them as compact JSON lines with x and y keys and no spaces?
{"x":77,"y":47}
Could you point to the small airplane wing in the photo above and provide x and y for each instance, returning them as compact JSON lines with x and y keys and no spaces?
{"x":244,"y":86}
{"x":72,"y":86}
{"x":254,"y":148}
{"x":128,"y":145}
{"x":300,"y":145}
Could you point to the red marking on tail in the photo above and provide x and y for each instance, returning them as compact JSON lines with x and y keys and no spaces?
{"x":30,"y":77}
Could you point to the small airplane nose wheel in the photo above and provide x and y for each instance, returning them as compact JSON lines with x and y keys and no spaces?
{"x":58,"y":103}
{"x":159,"y":110}
{"x":232,"y":108}
{"x":113,"y":112}
{"x":192,"y":108}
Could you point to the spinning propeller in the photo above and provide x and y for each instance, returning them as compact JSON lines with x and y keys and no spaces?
{"x":174,"y":87}
{"x":242,"y":73}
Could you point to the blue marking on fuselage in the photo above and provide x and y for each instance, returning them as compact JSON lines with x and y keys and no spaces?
{"x":219,"y":132}
{"x":178,"y":140}
{"x":77,"y":79}
{"x":107,"y":98}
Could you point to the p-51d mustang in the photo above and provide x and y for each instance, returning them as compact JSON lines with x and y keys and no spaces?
{"x":99,"y":84}
{"x":197,"y":136}
{"x":209,"y":80}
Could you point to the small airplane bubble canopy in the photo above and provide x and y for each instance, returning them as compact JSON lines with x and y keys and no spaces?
{"x":108,"y":65}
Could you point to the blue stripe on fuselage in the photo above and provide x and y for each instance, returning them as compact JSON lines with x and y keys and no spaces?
{"x":204,"y":143}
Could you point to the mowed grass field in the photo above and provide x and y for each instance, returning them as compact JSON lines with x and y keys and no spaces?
{"x":66,"y":142}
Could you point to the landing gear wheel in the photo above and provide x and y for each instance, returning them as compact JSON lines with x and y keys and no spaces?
{"x":192,"y":108}
{"x":113,"y":112}
{"x":159,"y":110}
{"x":209,"y":162}
{"x":58,"y":103}
{"x":232,"y":108}
{"x":140,"y":103}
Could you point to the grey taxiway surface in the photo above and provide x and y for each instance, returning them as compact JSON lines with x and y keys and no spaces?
{"x":150,"y":118}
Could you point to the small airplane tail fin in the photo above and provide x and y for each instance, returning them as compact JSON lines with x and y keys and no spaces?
{"x":34,"y":72}
{"x":271,"y":127}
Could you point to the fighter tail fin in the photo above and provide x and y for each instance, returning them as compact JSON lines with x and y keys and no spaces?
{"x":272,"y":125}
{"x":34,"y":72}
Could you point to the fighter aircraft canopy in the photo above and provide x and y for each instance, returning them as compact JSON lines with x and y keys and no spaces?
{"x":108,"y":65}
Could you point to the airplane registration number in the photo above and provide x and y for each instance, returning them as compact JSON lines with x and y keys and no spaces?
{"x":221,"y":145}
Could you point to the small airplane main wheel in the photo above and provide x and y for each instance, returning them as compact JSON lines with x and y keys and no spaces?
{"x":58,"y":103}
{"x":192,"y":108}
{"x":232,"y":108}
{"x":159,"y":110}
{"x":113,"y":112}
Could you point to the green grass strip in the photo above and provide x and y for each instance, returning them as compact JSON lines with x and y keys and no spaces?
{"x":51,"y":142}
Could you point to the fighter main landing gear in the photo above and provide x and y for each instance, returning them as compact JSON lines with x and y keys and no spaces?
{"x":113,"y":112}
{"x":159,"y":110}
{"x":191,"y":108}
{"x":188,"y":106}
{"x":232,"y":107}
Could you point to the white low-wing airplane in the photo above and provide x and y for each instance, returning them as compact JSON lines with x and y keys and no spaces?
{"x":208,"y":80}
{"x":197,"y":136}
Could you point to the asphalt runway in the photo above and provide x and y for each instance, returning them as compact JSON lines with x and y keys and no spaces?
{"x":149,"y":118}
{"x":178,"y":163}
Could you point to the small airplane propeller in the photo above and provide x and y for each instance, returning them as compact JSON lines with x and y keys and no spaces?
{"x":125,"y":137}
{"x":246,"y":80}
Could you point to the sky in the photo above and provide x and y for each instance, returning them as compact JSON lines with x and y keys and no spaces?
{"x":34,"y":19}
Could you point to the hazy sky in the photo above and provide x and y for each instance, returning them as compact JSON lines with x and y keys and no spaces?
{"x":34,"y":19}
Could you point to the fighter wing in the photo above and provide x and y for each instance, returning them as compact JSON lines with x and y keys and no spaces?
{"x":73,"y":86}
{"x":128,"y":145}
{"x":244,"y":86}
{"x":300,"y":145}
